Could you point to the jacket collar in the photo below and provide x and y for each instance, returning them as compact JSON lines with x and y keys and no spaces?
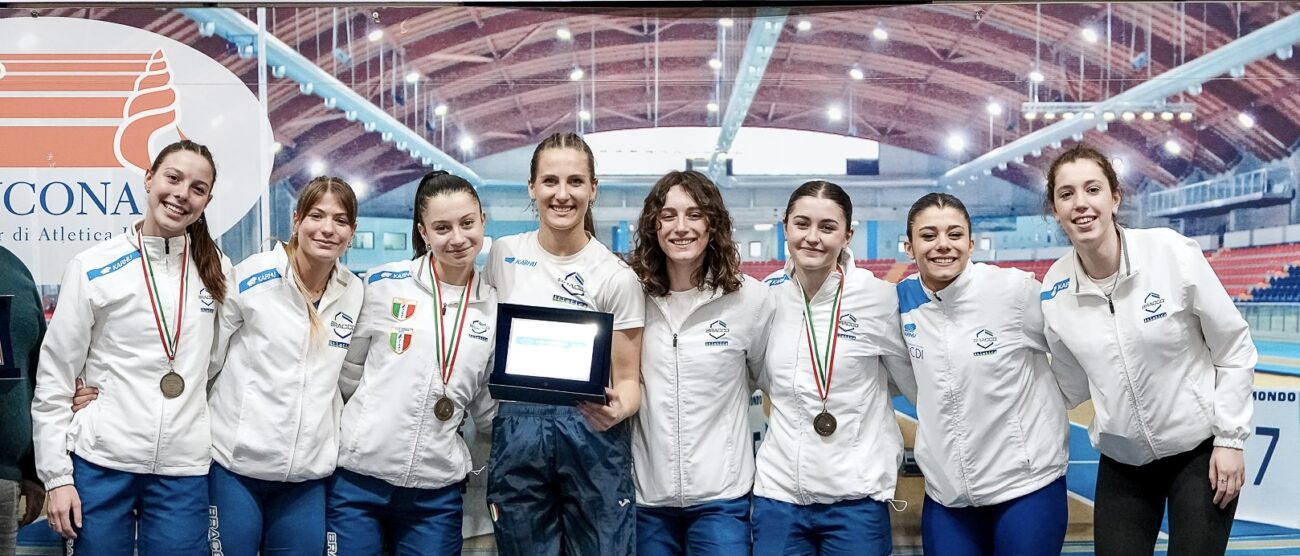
{"x":1126,"y":267}
{"x":845,"y":261}
{"x":338,"y":283}
{"x":955,"y":289}
{"x":420,"y":273}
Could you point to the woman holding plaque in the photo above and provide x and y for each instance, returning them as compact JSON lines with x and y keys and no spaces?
{"x":992,"y":430}
{"x":705,"y":333}
{"x":561,"y":477}
{"x":828,"y":466}
{"x":1169,"y":363}
{"x":418,"y":364}
{"x":136,"y":318}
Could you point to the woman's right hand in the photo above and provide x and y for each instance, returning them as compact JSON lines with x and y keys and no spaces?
{"x":63,"y":509}
{"x":83,"y":396}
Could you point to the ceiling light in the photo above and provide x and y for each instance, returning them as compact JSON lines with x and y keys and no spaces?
{"x":440,"y":110}
{"x":1067,"y":115}
{"x":413,"y":77}
{"x":376,"y":35}
{"x":1090,"y":34}
{"x":564,"y":34}
{"x":715,"y":63}
{"x":993,"y":108}
{"x":359,"y":188}
{"x":584,"y":115}
{"x":1108,"y":116}
{"x":466,"y":143}
{"x":956,"y":143}
{"x":711,"y":107}
{"x":1245,"y":120}
{"x":726,"y":22}
{"x":1031,"y":116}
{"x":1036,"y":76}
{"x":276,"y":147}
{"x":880,"y":34}
{"x":1148,"y":116}
{"x":1172,"y":147}
{"x":834,"y":113}
{"x":1167,"y":116}
{"x":1049,"y":115}
{"x":317,"y":168}
{"x":576,"y":74}
{"x":804,"y":25}
{"x":1128,"y":116}
{"x":1185,"y":116}
{"x":856,"y":74}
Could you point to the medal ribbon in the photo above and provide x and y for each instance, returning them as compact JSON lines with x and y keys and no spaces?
{"x":823,"y":363}
{"x":169,"y":341}
{"x":447,"y":358}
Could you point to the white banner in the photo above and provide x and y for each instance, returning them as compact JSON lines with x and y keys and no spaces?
{"x":1272,"y":493}
{"x":84,"y":107}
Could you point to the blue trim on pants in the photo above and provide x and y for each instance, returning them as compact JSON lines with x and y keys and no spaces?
{"x":1031,"y":525}
{"x":252,"y":516}
{"x":123,"y":512}
{"x":850,"y":527}
{"x":718,"y":528}
{"x":557,"y":485}
{"x":366,"y":515}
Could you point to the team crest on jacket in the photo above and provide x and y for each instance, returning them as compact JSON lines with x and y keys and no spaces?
{"x":848,"y":324}
{"x":717,"y":330}
{"x":477,"y":329}
{"x":909,"y":330}
{"x":984,"y":339}
{"x":206,"y":301}
{"x":342,"y":325}
{"x":403,"y":308}
{"x":400,"y":340}
{"x":1152,"y":304}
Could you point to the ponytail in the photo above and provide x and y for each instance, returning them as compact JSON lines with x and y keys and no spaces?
{"x":205,"y":254}
{"x":207,"y":257}
{"x":589,"y":221}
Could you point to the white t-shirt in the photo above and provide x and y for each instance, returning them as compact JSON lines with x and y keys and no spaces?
{"x":593,"y":279}
{"x":680,"y":305}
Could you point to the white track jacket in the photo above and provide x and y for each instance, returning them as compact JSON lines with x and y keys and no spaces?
{"x":1170,"y":365}
{"x":992,"y":423}
{"x":275,"y":400}
{"x":691,"y":439}
{"x":861,"y":458}
{"x":389,"y":428}
{"x":104,"y":331}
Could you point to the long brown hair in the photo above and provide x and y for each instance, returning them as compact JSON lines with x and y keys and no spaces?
{"x":203,"y":251}
{"x":437,"y":182}
{"x":316,"y":190}
{"x":721,"y":265}
{"x":568,"y":140}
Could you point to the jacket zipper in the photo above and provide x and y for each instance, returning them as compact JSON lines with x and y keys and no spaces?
{"x":1132,"y":390}
{"x":162,"y":414}
{"x":677,"y":386}
{"x":302,"y":386}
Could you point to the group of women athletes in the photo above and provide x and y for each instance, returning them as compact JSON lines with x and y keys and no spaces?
{"x":332,"y":404}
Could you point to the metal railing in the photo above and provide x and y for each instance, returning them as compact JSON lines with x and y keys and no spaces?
{"x":1272,"y":320}
{"x":1255,"y":182}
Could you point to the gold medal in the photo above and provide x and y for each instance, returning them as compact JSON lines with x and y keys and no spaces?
{"x":443,"y":409}
{"x":824,"y":423}
{"x":172,"y":385}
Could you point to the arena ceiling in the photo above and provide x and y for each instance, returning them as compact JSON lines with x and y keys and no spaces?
{"x":505,"y":76}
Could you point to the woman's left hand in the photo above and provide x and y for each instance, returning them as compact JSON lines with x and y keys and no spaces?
{"x":1227,"y":474}
{"x":603,"y":417}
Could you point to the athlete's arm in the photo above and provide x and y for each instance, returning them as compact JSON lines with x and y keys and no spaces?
{"x":624,"y":397}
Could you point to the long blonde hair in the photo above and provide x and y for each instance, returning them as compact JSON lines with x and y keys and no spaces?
{"x":316,"y":190}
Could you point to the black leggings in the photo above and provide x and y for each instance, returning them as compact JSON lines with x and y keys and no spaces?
{"x":1131,"y":502}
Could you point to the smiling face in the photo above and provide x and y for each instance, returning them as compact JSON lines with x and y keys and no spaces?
{"x":177,"y":193}
{"x":452,"y":226}
{"x":562,"y":188}
{"x":1084,"y":202}
{"x":683,"y":230}
{"x":816,"y":230}
{"x":324,"y":231}
{"x":941,"y":244}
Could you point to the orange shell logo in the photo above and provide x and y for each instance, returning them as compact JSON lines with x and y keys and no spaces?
{"x":84,"y":110}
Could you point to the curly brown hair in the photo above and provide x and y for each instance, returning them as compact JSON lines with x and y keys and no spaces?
{"x":721,"y":266}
